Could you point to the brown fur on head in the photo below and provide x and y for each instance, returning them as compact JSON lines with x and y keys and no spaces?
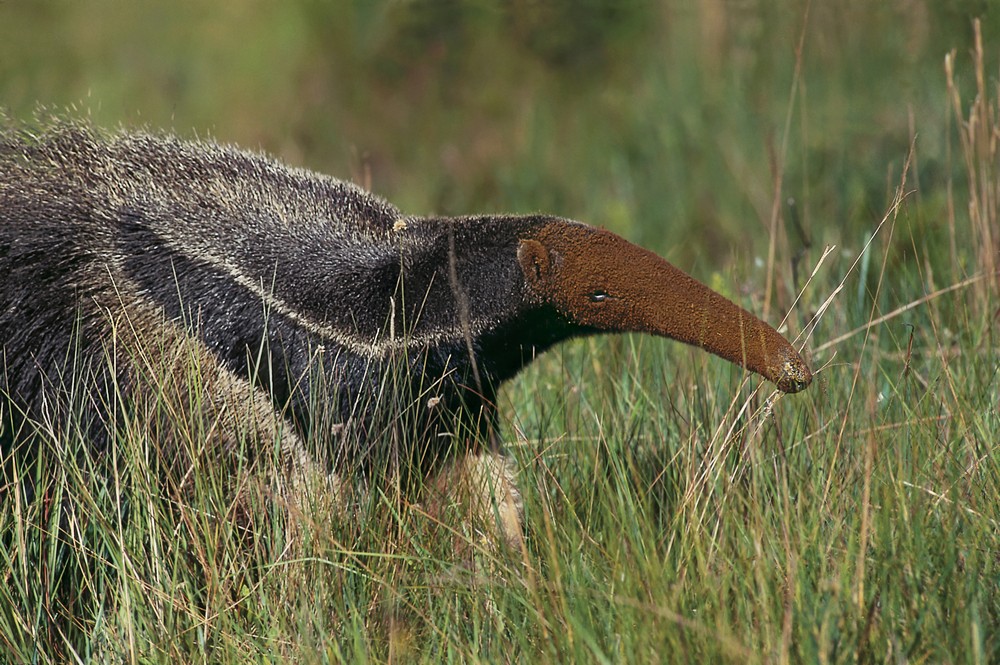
{"x":601,"y":281}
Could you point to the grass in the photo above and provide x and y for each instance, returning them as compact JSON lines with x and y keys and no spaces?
{"x":675,"y":511}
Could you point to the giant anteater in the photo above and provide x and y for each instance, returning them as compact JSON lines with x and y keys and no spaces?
{"x":313,"y":310}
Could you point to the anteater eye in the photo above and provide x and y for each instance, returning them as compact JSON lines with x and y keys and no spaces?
{"x":598,"y":296}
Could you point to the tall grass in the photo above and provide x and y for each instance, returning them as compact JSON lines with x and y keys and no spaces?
{"x":978,"y":134}
{"x":676,"y":510}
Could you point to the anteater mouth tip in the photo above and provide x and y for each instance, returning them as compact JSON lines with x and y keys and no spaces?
{"x":794,"y":376}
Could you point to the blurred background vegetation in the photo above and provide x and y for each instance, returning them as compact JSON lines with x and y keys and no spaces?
{"x":663,"y":121}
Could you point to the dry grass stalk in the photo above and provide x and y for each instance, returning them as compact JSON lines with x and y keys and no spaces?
{"x":979,"y":133}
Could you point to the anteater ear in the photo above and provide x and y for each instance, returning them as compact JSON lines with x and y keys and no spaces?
{"x":534,"y":259}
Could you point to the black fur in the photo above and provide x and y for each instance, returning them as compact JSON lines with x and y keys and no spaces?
{"x":313,"y":289}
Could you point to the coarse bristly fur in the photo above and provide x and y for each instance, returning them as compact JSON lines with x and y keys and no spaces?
{"x":320,"y":317}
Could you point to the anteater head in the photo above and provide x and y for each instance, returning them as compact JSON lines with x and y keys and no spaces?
{"x":601,"y":282}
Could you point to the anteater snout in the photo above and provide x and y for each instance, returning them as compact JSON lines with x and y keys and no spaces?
{"x":793,"y":375}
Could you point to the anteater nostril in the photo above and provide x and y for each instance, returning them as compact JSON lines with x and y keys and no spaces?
{"x":794,"y":376}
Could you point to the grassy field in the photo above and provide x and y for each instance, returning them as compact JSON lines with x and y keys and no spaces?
{"x":838,"y":163}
